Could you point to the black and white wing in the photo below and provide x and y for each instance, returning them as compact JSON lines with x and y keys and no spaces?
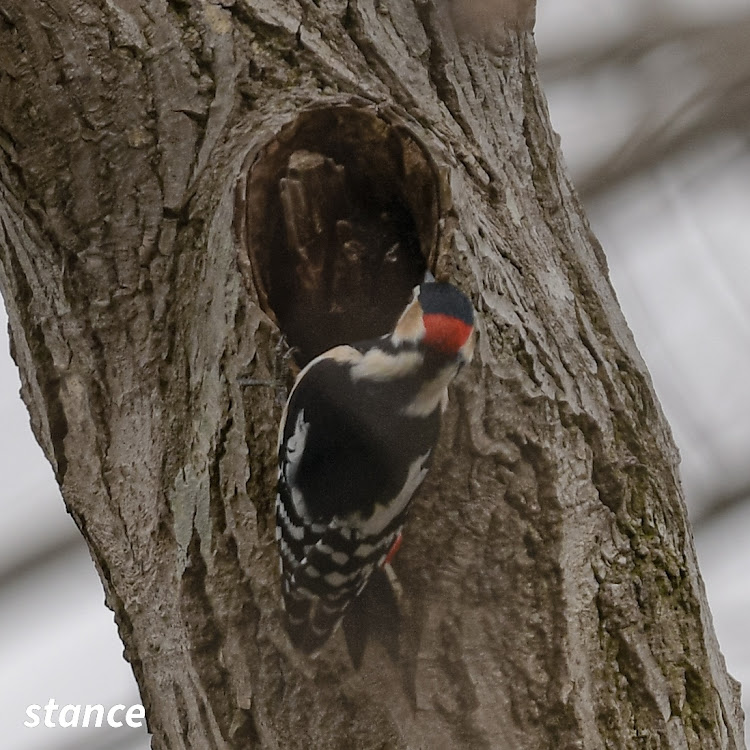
{"x":349,"y":464}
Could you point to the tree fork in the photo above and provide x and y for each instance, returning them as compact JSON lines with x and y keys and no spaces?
{"x":553,"y":594}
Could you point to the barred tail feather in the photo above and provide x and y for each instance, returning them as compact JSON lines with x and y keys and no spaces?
{"x":333,"y":572}
{"x":310,"y":625}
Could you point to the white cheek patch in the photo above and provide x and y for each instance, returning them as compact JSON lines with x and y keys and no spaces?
{"x":432,"y":394}
{"x":379,"y":365}
{"x":410,"y":326}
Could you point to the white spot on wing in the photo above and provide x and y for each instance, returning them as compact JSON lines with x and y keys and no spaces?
{"x":296,"y":532}
{"x":363,"y":550}
{"x":342,"y":354}
{"x":295,"y":447}
{"x":338,"y":579}
{"x":300,"y":593}
{"x":287,"y":554}
{"x":298,"y":501}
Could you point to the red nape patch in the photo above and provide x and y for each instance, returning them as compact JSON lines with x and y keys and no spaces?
{"x":445,"y":333}
{"x":393,"y":550}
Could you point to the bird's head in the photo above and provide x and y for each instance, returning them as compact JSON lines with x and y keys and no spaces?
{"x":440,"y":319}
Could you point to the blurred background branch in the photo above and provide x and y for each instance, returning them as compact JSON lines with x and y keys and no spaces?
{"x":661,"y":84}
{"x":652,"y":102}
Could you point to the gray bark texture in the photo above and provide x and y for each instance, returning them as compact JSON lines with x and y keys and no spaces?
{"x":552,"y":596}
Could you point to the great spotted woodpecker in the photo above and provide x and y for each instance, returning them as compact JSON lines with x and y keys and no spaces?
{"x":355,"y":442}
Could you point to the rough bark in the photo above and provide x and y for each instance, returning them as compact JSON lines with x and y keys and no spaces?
{"x":554,"y":599}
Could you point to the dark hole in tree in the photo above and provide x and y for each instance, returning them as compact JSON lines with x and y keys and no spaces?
{"x":339,"y":219}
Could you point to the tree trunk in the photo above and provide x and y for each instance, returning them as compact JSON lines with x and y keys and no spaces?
{"x":551,"y":593}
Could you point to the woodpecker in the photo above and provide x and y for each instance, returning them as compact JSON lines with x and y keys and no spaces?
{"x":355,"y":442}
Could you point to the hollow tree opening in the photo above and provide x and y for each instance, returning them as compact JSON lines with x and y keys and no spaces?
{"x":338,"y":215}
